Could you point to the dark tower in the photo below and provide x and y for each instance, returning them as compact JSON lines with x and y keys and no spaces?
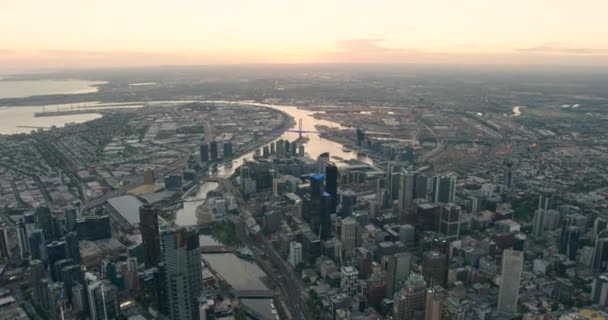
{"x":227,"y":150}
{"x":204,"y":153}
{"x":213,"y":150}
{"x":316,"y":185}
{"x":148,"y":225}
{"x":72,"y":247}
{"x":331,"y":184}
{"x":325,"y":215}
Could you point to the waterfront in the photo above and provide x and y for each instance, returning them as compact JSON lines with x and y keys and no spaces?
{"x":240,"y":274}
{"x":186,"y":216}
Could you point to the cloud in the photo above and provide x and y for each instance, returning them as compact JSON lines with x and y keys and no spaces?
{"x":557,"y":48}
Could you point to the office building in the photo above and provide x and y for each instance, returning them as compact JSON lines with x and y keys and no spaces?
{"x":102,"y":298}
{"x":295,"y":253}
{"x":183,"y":272}
{"x":44,"y":222}
{"x":348,"y":203}
{"x":227,"y":150}
{"x":149,"y":176}
{"x":331,"y":183}
{"x":174,"y":182}
{"x":150,"y":235}
{"x":348,"y":236}
{"x":546,"y":200}
{"x":325,"y":216}
{"x":421,"y":186}
{"x":508,"y":295}
{"x":37,"y":245}
{"x":406,"y":189}
{"x":434,"y":300}
{"x":93,"y":227}
{"x":316,"y":185}
{"x":397,"y":268}
{"x":599,"y":290}
{"x":72,"y":247}
{"x":55,"y":252}
{"x":449,"y":224}
{"x":434,"y":268}
{"x":452,"y":309}
{"x":349,"y":280}
{"x":600,"y":253}
{"x":37,"y":273}
{"x":204,"y":150}
{"x":411,"y":299}
{"x":213,"y":152}
{"x":444,"y":189}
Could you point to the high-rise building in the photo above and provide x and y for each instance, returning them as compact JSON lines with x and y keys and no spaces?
{"x":150,"y":235}
{"x":599,"y":290}
{"x":434,"y":267}
{"x":411,"y":299}
{"x":444,"y":189}
{"x":213,"y":150}
{"x":102,"y":298}
{"x":449,"y":224}
{"x":325,"y":215}
{"x":44,"y":221}
{"x":360,"y":136}
{"x":72,"y":247}
{"x":322,"y":160}
{"x":316,"y":185}
{"x":348,"y":236}
{"x":600,"y":253}
{"x":331,"y":183}
{"x":37,"y":273}
{"x":434,"y":299}
{"x":546,"y":200}
{"x":295,"y":253}
{"x":349,"y":277}
{"x":508,"y":174}
{"x":204,"y":150}
{"x":397,"y":269}
{"x":538,"y":223}
{"x":55,"y":251}
{"x":38,"y":245}
{"x":227,"y":150}
{"x":421,"y":186}
{"x":183,"y":273}
{"x":348,"y":203}
{"x":508,"y":295}
{"x":406,"y":190}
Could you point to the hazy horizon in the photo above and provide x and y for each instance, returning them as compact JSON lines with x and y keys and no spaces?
{"x":68,"y":34}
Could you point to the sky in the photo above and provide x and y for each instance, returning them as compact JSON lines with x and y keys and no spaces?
{"x":113,"y":33}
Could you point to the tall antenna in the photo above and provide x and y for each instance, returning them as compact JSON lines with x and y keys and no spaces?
{"x":300,"y":127}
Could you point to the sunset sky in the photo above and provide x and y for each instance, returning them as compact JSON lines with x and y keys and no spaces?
{"x":95,"y":33}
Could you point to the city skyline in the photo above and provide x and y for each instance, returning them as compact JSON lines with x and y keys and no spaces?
{"x":70,"y":34}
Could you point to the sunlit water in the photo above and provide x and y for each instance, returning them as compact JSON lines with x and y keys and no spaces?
{"x":28,"y":88}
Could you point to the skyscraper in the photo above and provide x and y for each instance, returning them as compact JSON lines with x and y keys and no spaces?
{"x":434,"y":267}
{"x":44,"y":221}
{"x":444,"y":188}
{"x":538,"y":225}
{"x":508,"y":295}
{"x":397,"y":269}
{"x":348,"y":236}
{"x":348,"y":203}
{"x":599,"y":290}
{"x":295,"y":253}
{"x":72,"y":246}
{"x":227,"y":150}
{"x":411,"y":299}
{"x":600,"y":253}
{"x":325,"y":218}
{"x":331,"y":184}
{"x":150,"y":235}
{"x":316,"y":185}
{"x":37,"y":273}
{"x":449,"y":224}
{"x":213,"y":150}
{"x":37,"y":245}
{"x":204,"y":150}
{"x":406,"y":189}
{"x":183,"y":273}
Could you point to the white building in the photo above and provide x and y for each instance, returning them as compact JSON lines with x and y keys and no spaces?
{"x":295,"y":253}
{"x":349,"y":280}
